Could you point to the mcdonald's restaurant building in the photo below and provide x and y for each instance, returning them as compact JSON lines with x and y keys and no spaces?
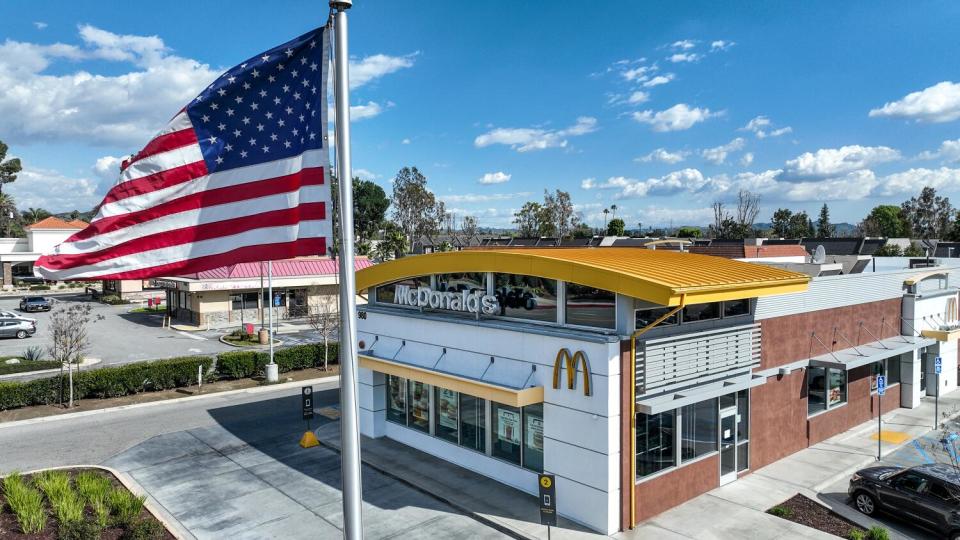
{"x":640,"y":378}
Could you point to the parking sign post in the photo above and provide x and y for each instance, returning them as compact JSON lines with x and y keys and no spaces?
{"x":937,"y":367}
{"x":881,"y":390}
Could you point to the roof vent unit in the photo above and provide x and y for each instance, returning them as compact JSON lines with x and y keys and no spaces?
{"x":819,"y":255}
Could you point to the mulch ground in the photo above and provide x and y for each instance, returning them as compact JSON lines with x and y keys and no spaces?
{"x":812,"y":514}
{"x":10,"y":529}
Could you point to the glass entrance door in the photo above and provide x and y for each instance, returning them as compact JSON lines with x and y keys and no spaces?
{"x":728,"y":445}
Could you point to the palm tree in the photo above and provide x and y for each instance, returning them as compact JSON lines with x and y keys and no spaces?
{"x":33,"y":215}
{"x":397,"y":241}
{"x":383,"y":251}
{"x":606,"y":213}
{"x":613,"y":208}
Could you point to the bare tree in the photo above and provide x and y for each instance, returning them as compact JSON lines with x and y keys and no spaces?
{"x":69,"y":338}
{"x":748,"y":208}
{"x":324,"y":318}
{"x":468,"y":225}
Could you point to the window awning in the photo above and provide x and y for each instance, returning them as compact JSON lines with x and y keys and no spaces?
{"x":695,"y":394}
{"x":508,"y":394}
{"x":868,"y":353}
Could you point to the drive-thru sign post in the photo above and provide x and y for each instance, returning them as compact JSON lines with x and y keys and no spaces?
{"x":548,"y":501}
{"x":306,"y":397}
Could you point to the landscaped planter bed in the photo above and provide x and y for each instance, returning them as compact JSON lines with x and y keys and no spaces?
{"x":109,"y":511}
{"x":802,"y":510}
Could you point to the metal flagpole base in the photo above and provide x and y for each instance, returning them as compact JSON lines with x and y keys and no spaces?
{"x":272,"y":372}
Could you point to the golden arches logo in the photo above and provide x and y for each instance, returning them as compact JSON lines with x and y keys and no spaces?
{"x":572,"y":361}
{"x":950,"y":314}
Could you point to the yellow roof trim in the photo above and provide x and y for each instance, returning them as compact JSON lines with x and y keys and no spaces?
{"x":492,"y":392}
{"x":920,"y":277}
{"x":657,"y":276}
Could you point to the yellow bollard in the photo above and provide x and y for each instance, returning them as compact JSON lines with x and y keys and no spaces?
{"x":309,"y":440}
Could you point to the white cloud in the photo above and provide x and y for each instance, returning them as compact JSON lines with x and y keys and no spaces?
{"x":655,"y":215}
{"x":718,"y":154}
{"x":683,"y":57}
{"x":676,"y":118}
{"x":373,"y":67}
{"x":53,"y":191}
{"x":365,"y":174}
{"x":638,"y":97}
{"x":689,"y":180}
{"x":830,"y":162}
{"x":658,"y":80}
{"x":746,"y":159}
{"x":664,"y":156}
{"x":107,"y":169}
{"x":639,"y":73}
{"x":40,"y":25}
{"x":938,"y":103}
{"x":684,"y":44}
{"x":360,"y":112}
{"x":910,"y":181}
{"x":475,"y":198}
{"x":498,"y":177}
{"x":948,"y":151}
{"x":405,"y":141}
{"x":721,"y":45}
{"x":125,"y":107}
{"x":760,"y":126}
{"x":527,"y":139}
{"x":852,"y":186}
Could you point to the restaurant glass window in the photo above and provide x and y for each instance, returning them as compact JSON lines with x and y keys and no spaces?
{"x":396,"y":399}
{"x":467,"y":281}
{"x":701,"y":312}
{"x":743,"y":430}
{"x":698,"y":429}
{"x":278,"y":294}
{"x":533,"y":437}
{"x":736,"y":308}
{"x":645,"y":317}
{"x":505,"y":423}
{"x":838,"y":387}
{"x":386,"y":293}
{"x":446,"y":406}
{"x":526,"y":297}
{"x":589,"y":306}
{"x":473,"y":421}
{"x":243,"y":301}
{"x":816,"y":389}
{"x":893,"y":370}
{"x":655,"y":447}
{"x":418,"y":406}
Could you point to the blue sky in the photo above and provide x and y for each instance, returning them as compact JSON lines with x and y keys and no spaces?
{"x":659,"y":108}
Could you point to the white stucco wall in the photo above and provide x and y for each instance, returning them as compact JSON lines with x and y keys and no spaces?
{"x":926,"y":311}
{"x":581,"y":433}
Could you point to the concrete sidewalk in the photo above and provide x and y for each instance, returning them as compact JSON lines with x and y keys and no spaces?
{"x":737,"y":510}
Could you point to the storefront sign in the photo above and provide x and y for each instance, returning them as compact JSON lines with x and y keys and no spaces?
{"x":470,"y":302}
{"x":447,"y":404}
{"x":534,"y":432}
{"x":163,"y":284}
{"x":508,"y":426}
{"x":572,"y":362}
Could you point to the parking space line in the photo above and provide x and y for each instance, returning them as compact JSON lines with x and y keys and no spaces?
{"x":191,"y":336}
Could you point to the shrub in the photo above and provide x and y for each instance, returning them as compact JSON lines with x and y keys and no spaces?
{"x":78,"y":530}
{"x":33,"y":354}
{"x":856,"y":534}
{"x":878,"y":533}
{"x":237,"y":364}
{"x":94,"y":488}
{"x":143,"y":529}
{"x":112,"y":299}
{"x":125,"y":506}
{"x":781,"y":511}
{"x":39,"y":287}
{"x":26,"y":503}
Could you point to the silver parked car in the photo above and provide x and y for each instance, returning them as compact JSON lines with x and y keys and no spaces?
{"x":4,"y":314}
{"x":17,"y":328}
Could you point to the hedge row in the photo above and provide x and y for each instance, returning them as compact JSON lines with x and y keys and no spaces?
{"x":106,"y":382}
{"x":243,"y":364}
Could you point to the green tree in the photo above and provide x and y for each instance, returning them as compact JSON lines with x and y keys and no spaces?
{"x":582,"y":230}
{"x":801,"y":226}
{"x":824,"y":228}
{"x":10,"y":221}
{"x":415,"y":209}
{"x":888,"y":250}
{"x":370,"y":205}
{"x":914,"y":250}
{"x":616,"y":227}
{"x":928,"y":214}
{"x":8,"y":168}
{"x":885,"y":220}
{"x":33,"y":215}
{"x":527,"y":219}
{"x":689,"y":232}
{"x":780,"y":223}
{"x":469,"y":225}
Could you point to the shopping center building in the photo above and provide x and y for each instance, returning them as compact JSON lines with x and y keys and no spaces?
{"x":640,"y":378}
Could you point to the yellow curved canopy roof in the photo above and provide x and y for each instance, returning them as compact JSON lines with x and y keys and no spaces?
{"x":658,"y":276}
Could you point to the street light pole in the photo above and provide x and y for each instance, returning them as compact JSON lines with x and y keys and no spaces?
{"x":349,"y":408}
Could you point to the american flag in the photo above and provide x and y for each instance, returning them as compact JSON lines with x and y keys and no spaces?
{"x":238,"y":175}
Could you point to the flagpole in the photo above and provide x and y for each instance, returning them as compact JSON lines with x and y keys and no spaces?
{"x":349,"y":409}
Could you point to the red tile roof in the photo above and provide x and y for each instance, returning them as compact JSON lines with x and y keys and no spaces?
{"x":302,"y":267}
{"x":57,"y":223}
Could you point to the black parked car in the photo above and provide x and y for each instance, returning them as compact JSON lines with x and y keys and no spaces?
{"x":35,"y":303}
{"x":926,"y":495}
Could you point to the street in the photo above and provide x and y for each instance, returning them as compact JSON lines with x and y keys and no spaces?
{"x":230,"y":466}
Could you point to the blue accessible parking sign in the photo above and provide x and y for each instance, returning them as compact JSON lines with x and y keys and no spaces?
{"x":938,"y":365}
{"x":881,"y":385}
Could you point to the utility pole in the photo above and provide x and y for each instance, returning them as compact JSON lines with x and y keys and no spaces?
{"x":349,"y":408}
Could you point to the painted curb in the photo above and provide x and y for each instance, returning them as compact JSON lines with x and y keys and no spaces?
{"x":155,"y":508}
{"x":175,"y":401}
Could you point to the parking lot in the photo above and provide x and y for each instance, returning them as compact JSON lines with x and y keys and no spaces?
{"x":119,"y":337}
